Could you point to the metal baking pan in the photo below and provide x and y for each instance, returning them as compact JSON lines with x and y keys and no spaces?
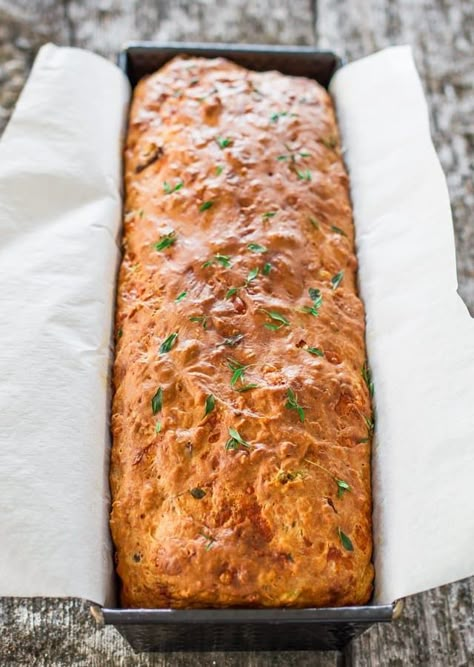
{"x":240,"y":629}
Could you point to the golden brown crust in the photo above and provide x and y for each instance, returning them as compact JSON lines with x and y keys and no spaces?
{"x":200,"y":519}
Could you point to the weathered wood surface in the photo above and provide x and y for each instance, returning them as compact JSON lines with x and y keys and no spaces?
{"x":437,"y":628}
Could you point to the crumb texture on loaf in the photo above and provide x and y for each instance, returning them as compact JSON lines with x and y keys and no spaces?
{"x":242,"y":415}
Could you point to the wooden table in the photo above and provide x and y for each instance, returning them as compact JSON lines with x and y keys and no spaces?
{"x":437,"y":627}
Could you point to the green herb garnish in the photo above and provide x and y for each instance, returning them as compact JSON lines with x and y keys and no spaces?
{"x":210,"y":404}
{"x":253,"y":273}
{"x":235,"y":441}
{"x":316,"y":351}
{"x":231,"y":292}
{"x":168,"y":343}
{"x":224,"y":260}
{"x":337,"y":279}
{"x":219,"y":169}
{"x":224,"y":142}
{"x":367,"y":375}
{"x":314,"y":222}
{"x":256,"y":247}
{"x":292,"y":155}
{"x":206,"y":205}
{"x":209,"y":538}
{"x":338,"y":230}
{"x":278,"y":114}
{"x":303,"y":174}
{"x":317,"y":299}
{"x":157,"y":427}
{"x":157,"y":401}
{"x":169,"y":189}
{"x":232,"y":341}
{"x":345,"y":541}
{"x":166,"y":241}
{"x":315,"y":295}
{"x":370,"y":423}
{"x":269,"y":214}
{"x":342,"y":487}
{"x":276,"y":317}
{"x":246,"y":387}
{"x":292,"y":404}
{"x":200,"y":319}
{"x":181,"y":296}
{"x":197,"y":493}
{"x":237,"y":369}
{"x":266,"y":269}
{"x":120,"y":332}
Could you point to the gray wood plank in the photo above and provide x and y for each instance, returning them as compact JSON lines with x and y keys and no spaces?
{"x":104,"y":27}
{"x":437,"y":627}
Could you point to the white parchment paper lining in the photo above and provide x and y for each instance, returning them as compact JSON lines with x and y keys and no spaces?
{"x":60,"y":209}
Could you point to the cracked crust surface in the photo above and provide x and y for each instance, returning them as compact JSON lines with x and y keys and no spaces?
{"x":228,"y":171}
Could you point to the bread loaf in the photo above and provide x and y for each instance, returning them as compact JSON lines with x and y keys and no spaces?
{"x":241,"y":415}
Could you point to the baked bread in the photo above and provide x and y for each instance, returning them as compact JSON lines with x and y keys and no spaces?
{"x":242,"y":415}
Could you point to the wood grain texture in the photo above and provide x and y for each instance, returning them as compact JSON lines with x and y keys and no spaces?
{"x":437,"y":627}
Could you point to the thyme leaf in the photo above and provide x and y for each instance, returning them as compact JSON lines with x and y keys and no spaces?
{"x":169,"y":189}
{"x":266,"y":269}
{"x":246,"y":387}
{"x":314,"y":222}
{"x":219,"y":169}
{"x":238,"y":371}
{"x":206,"y":205}
{"x":342,"y":487}
{"x":181,"y":296}
{"x":269,"y":214}
{"x":337,"y":279}
{"x":209,"y":538}
{"x":224,"y":260}
{"x":168,"y":343}
{"x":316,"y":351}
{"x":231,"y":292}
{"x":370,"y":423}
{"x":235,"y":441}
{"x":157,"y":427}
{"x":338,"y":230}
{"x":345,"y":541}
{"x":256,"y":247}
{"x":210,"y":404}
{"x":303,"y":174}
{"x":367,"y":375}
{"x":166,"y":241}
{"x":292,"y":403}
{"x":253,"y":273}
{"x":224,"y":142}
{"x":317,"y":299}
{"x":278,"y":114}
{"x":232,"y":341}
{"x":200,"y":319}
{"x":157,"y":401}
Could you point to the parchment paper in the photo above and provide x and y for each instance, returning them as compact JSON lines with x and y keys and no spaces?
{"x":60,"y":209}
{"x":420,"y":336}
{"x":60,"y":206}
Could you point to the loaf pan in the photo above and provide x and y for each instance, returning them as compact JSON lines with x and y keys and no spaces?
{"x":240,"y":629}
